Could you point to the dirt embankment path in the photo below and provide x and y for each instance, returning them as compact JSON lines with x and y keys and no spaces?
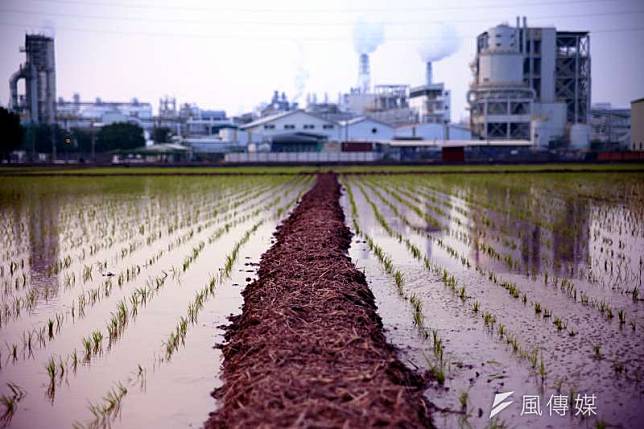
{"x":308,"y":349}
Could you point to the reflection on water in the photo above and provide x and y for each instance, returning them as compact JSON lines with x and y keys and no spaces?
{"x":554,"y":261}
{"x":100,"y":277}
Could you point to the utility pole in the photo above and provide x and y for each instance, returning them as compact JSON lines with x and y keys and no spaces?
{"x":93,"y":142}
{"x":53,"y":142}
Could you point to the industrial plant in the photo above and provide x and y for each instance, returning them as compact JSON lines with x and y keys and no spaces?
{"x":531,"y":84}
{"x":530,"y":99}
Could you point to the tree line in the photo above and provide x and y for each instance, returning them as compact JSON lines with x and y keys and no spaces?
{"x":38,"y":138}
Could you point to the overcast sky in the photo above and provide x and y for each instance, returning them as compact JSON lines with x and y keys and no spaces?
{"x":232,"y":55}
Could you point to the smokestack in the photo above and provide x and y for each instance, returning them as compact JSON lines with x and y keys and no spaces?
{"x":525,"y":35}
{"x":364,"y":79}
{"x":517,"y":35}
{"x":428,"y":73}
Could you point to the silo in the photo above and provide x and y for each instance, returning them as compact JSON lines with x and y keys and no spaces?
{"x":502,"y":62}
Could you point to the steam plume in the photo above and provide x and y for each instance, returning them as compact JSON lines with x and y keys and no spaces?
{"x":367,"y":36}
{"x":438,"y":41}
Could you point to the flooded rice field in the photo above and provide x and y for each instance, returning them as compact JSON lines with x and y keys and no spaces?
{"x":113,"y":291}
{"x":529,"y":284}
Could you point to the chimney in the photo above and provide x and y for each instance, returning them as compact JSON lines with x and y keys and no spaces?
{"x":525,"y":35}
{"x":517,"y":35}
{"x":364,"y":79}
{"x":428,"y":73}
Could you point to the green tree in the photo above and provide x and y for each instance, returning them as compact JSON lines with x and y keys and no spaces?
{"x":38,"y":138}
{"x":119,"y":136}
{"x":161,"y":134}
{"x":82,"y":139}
{"x":11,"y":132}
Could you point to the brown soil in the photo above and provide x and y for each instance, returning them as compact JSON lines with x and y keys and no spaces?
{"x":308,"y":349}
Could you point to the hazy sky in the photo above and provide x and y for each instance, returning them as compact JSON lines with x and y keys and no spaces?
{"x":232,"y":55}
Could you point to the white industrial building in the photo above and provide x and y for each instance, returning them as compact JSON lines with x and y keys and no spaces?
{"x":637,"y":125}
{"x":365,"y":129}
{"x":610,"y":127}
{"x":531,"y":84}
{"x":292,"y":131}
{"x":433,"y":132}
{"x":83,"y":114}
{"x":290,"y":122}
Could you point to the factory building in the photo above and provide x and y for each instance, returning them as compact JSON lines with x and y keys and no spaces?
{"x":432,"y":131}
{"x":610,"y":127}
{"x":637,"y":127}
{"x":365,"y":129}
{"x":430,"y":101}
{"x":387,"y":103}
{"x":531,"y":84}
{"x":293,"y":131}
{"x":37,"y":104}
{"x":86,"y":114}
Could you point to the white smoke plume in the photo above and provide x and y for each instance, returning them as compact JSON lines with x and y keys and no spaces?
{"x":367,"y":36}
{"x":437,"y":41}
{"x":301,"y":73}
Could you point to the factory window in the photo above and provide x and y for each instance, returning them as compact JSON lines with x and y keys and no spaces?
{"x":269,"y":126}
{"x":308,"y":126}
{"x":289,"y":127}
{"x":327,"y":126}
{"x":519,"y":108}
{"x":497,"y":108}
{"x":520,"y":130}
{"x":497,"y":130}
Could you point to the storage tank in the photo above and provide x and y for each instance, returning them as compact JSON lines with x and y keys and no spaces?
{"x":502,"y":61}
{"x":580,"y":137}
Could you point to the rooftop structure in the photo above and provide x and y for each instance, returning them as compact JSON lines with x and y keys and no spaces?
{"x":431,"y":101}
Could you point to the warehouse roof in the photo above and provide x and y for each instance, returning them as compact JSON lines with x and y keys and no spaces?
{"x":271,"y":118}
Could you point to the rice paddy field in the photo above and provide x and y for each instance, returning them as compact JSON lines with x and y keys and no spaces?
{"x":511,"y":283}
{"x":114,"y":290}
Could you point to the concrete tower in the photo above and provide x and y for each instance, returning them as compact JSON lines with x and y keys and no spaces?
{"x":38,"y":105}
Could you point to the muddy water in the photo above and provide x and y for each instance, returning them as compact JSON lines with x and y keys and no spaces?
{"x":481,"y":363}
{"x":166,"y":392}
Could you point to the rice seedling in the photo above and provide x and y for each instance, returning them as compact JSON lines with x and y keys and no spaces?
{"x":110,"y":405}
{"x":597,"y":353}
{"x":537,"y":308}
{"x":622,"y":317}
{"x":488,"y":319}
{"x":542,"y":369}
{"x":10,"y":402}
{"x":561,"y":325}
{"x":398,"y":278}
{"x":463,"y":399}
{"x":97,"y":342}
